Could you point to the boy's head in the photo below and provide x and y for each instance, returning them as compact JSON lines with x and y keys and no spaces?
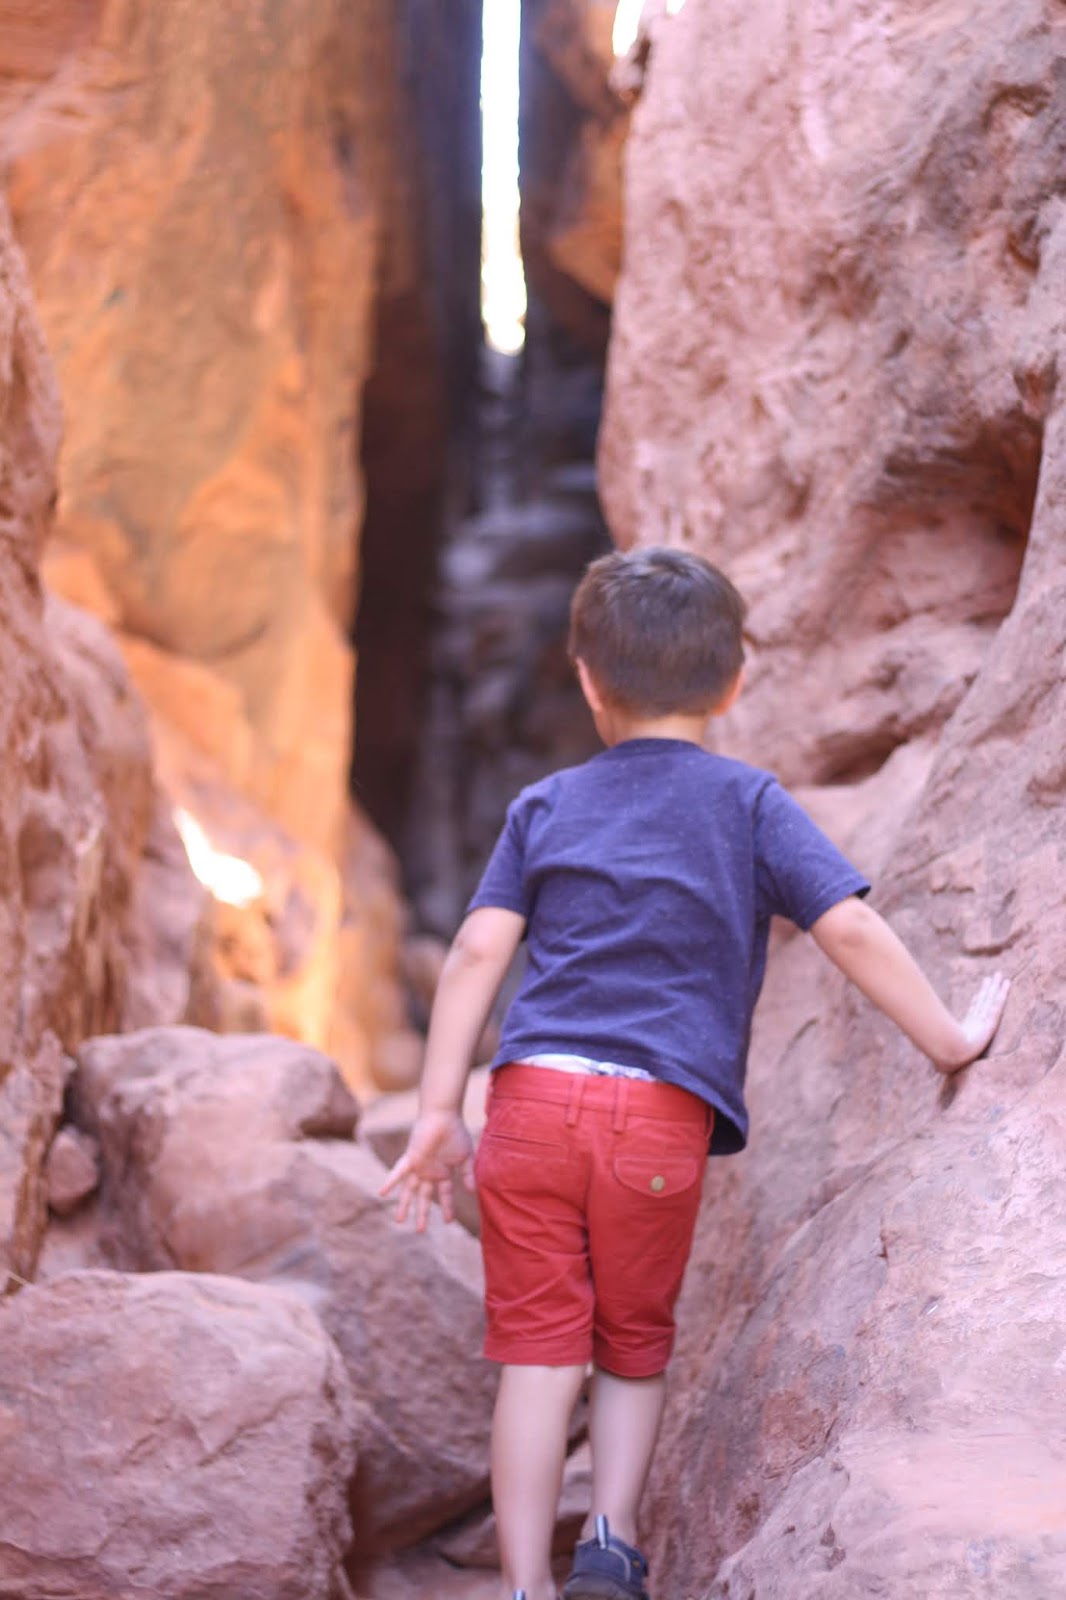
{"x":659,"y":631}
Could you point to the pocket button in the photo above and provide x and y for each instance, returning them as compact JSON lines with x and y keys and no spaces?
{"x":658,"y":1183}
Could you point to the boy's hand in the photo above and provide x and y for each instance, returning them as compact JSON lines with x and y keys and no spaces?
{"x":440,"y":1147}
{"x":981,"y":1020}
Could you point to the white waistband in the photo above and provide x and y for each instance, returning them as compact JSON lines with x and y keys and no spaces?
{"x":583,"y":1064}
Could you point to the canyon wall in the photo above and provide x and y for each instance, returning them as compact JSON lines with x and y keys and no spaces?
{"x":83,"y":829}
{"x":523,"y":517}
{"x":224,"y":227}
{"x":215,"y":204}
{"x":836,"y":369}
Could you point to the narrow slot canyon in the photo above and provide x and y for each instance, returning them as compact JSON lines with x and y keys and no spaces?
{"x":319,"y":388}
{"x":469,"y":553}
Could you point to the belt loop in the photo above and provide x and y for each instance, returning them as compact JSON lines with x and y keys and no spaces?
{"x":621,"y":1104}
{"x":573,"y":1104}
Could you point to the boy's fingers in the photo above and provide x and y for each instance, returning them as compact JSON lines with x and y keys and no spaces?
{"x":986,"y":1010}
{"x":403,"y":1205}
{"x":395,"y":1175}
{"x":467,"y":1172}
{"x":446,"y":1199}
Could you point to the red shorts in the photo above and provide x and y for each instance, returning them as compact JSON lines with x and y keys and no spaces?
{"x":589,"y":1189}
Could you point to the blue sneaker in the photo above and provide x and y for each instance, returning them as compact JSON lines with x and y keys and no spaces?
{"x":606,"y":1568}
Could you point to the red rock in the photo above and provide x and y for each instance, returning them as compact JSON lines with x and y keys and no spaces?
{"x":570,"y":176}
{"x":213,"y":375}
{"x":171,"y":977}
{"x":473,"y":1543}
{"x":233,"y":1155}
{"x":72,"y":1170}
{"x":31,"y":1099}
{"x":75,"y":792}
{"x":171,"y":1435}
{"x":832,"y":372}
{"x":370,"y":1033}
{"x":832,"y":417}
{"x":278,"y":937}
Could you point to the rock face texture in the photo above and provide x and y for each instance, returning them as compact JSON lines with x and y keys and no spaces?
{"x":503,"y":708}
{"x":191,"y":1438}
{"x":210,"y":373}
{"x":213,"y":202}
{"x":820,"y":370}
{"x":76,"y":796}
{"x":572,"y":128}
{"x":234,"y":1155}
{"x":836,"y":370}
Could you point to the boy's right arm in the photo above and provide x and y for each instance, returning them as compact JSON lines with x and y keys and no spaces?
{"x":866,"y":950}
{"x":440,"y":1145}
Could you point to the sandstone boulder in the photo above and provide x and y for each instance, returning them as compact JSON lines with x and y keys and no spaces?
{"x":234,"y":1155}
{"x":72,"y":1170}
{"x":171,"y":1435}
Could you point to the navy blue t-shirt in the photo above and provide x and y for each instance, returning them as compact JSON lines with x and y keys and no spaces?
{"x":648,"y":877}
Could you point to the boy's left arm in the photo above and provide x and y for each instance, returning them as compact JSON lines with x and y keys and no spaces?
{"x":440,"y":1145}
{"x":867,"y":951}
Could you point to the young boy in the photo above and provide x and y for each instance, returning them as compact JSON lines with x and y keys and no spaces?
{"x":643,"y":882}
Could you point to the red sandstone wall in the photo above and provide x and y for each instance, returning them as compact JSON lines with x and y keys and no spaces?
{"x":76,"y":793}
{"x":211,"y":199}
{"x":835,"y":368}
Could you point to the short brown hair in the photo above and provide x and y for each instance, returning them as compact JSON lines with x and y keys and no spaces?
{"x":659,"y":629}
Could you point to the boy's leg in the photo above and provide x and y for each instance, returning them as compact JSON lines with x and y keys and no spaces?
{"x":529,"y":1433}
{"x":623,"y":1429}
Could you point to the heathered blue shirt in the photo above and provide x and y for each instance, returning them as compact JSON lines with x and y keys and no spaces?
{"x":648,"y":877}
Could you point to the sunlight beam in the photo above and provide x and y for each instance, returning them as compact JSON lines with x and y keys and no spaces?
{"x":503,"y":282}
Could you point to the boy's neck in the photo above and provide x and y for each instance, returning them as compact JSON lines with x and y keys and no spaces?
{"x":615,"y":726}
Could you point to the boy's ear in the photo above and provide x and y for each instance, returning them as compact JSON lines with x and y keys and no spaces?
{"x":589,"y":687}
{"x":728,"y":700}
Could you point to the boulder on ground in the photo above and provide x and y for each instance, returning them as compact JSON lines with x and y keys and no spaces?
{"x":234,"y":1155}
{"x":172,"y":1436}
{"x":71,"y":1171}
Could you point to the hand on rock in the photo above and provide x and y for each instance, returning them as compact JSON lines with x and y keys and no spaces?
{"x":982,"y":1019}
{"x":440,"y":1148}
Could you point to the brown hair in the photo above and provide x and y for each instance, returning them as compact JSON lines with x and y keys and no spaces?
{"x":659,"y":629}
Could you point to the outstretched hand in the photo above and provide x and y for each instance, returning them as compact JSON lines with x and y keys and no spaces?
{"x":982,"y":1018}
{"x":440,"y":1149}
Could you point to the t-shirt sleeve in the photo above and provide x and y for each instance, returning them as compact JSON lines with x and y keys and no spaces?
{"x":800,"y":873}
{"x":503,"y":880}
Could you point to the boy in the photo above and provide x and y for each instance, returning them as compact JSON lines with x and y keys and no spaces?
{"x":644,"y":882}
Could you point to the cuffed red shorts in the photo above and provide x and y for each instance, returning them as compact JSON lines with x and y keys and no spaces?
{"x":589,"y":1189}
